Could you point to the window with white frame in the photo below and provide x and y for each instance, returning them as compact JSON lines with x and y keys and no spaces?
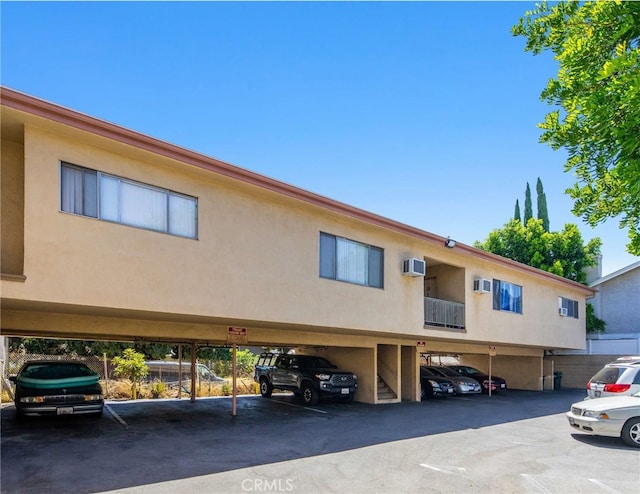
{"x":354,"y":262}
{"x":568,"y":307}
{"x":107,"y":197}
{"x":507,"y":297}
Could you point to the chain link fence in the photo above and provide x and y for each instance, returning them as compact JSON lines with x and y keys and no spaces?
{"x":97,"y":364}
{"x":116,"y":387}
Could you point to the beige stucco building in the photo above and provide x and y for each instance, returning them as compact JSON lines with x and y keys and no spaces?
{"x":108,"y":233}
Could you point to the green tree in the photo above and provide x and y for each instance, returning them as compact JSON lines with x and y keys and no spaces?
{"x":516,"y":214}
{"x":131,"y":366}
{"x":563,"y":253}
{"x":594,"y":324}
{"x":528,"y":207}
{"x":222,"y":364}
{"x":543,"y":213}
{"x":597,"y":90}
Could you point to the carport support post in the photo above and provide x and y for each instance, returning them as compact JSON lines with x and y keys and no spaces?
{"x":106,"y":372}
{"x":193,"y":372}
{"x":233,"y":381}
{"x":489,"y":374}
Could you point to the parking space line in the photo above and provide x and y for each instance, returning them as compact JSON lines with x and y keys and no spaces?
{"x":603,"y":486}
{"x":300,"y":406}
{"x":441,"y":470}
{"x":535,"y":483}
{"x":116,"y":416}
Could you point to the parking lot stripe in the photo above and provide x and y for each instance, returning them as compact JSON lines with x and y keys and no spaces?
{"x":430,"y":467}
{"x":300,"y":406}
{"x":116,"y":416}
{"x":535,"y":483}
{"x":603,"y":486}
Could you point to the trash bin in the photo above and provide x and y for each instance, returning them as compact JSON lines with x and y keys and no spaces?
{"x":557,"y":380}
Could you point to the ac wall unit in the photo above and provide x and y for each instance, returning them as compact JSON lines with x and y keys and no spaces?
{"x":564,"y":312}
{"x":480,"y":285}
{"x":414,"y":267}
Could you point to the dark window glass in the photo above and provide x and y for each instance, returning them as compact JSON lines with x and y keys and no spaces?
{"x":91,"y":193}
{"x":354,"y":262}
{"x":507,"y":297}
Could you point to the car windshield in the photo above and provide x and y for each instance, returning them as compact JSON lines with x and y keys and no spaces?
{"x":608,"y":375}
{"x":447,"y":372}
{"x":471,"y":371}
{"x":437,"y":371}
{"x":56,"y":371}
{"x":312,"y":363}
{"x":428,"y":372}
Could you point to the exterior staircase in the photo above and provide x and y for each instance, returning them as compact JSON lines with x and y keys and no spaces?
{"x":385,"y":393}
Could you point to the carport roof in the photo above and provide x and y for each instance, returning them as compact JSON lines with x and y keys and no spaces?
{"x":58,"y":114}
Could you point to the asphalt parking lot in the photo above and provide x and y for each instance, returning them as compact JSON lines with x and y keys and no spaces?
{"x":516,"y":442}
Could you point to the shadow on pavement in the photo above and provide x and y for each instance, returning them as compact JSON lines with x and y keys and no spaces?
{"x":144,"y":442}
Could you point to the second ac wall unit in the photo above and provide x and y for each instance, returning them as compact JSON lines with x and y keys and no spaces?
{"x":480,"y":285}
{"x":414,"y":267}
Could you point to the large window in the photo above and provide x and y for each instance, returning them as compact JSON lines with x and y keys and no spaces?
{"x":106,"y":197}
{"x":507,"y":296}
{"x":346,"y":260}
{"x":570,"y":307}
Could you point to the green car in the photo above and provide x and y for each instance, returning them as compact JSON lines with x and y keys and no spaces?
{"x":57,"y":387}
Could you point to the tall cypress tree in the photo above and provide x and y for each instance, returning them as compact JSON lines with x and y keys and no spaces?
{"x":516,"y":214}
{"x":528,"y":207}
{"x":543,"y":213}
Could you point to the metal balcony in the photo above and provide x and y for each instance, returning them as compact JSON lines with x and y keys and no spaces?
{"x":443,"y":313}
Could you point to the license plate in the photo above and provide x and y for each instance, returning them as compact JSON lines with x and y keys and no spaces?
{"x":450,"y":390}
{"x":598,"y":393}
{"x":64,"y":410}
{"x":344,"y":391}
{"x":503,"y":385}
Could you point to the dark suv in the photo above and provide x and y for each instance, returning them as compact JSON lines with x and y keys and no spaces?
{"x":621,"y":377}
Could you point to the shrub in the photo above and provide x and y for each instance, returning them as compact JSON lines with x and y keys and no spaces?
{"x":157,"y":388}
{"x":131,"y":366}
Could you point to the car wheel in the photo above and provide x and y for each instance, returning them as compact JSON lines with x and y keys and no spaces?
{"x":265,"y":388}
{"x":309,"y":394}
{"x":631,"y":432}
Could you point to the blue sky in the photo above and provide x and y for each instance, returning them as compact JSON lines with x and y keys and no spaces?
{"x":423,"y":112}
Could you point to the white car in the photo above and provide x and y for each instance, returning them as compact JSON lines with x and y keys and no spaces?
{"x":621,"y":377}
{"x":617,"y":416}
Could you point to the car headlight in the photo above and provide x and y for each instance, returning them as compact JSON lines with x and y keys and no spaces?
{"x":323,"y":377}
{"x":433,"y":383}
{"x":92,"y":397}
{"x":595,"y":414}
{"x":32,"y":399}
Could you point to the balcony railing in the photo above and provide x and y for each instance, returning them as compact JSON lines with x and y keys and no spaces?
{"x":443,"y":313}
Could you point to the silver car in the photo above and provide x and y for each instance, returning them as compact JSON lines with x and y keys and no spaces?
{"x":617,"y":416}
{"x":463,"y":384}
